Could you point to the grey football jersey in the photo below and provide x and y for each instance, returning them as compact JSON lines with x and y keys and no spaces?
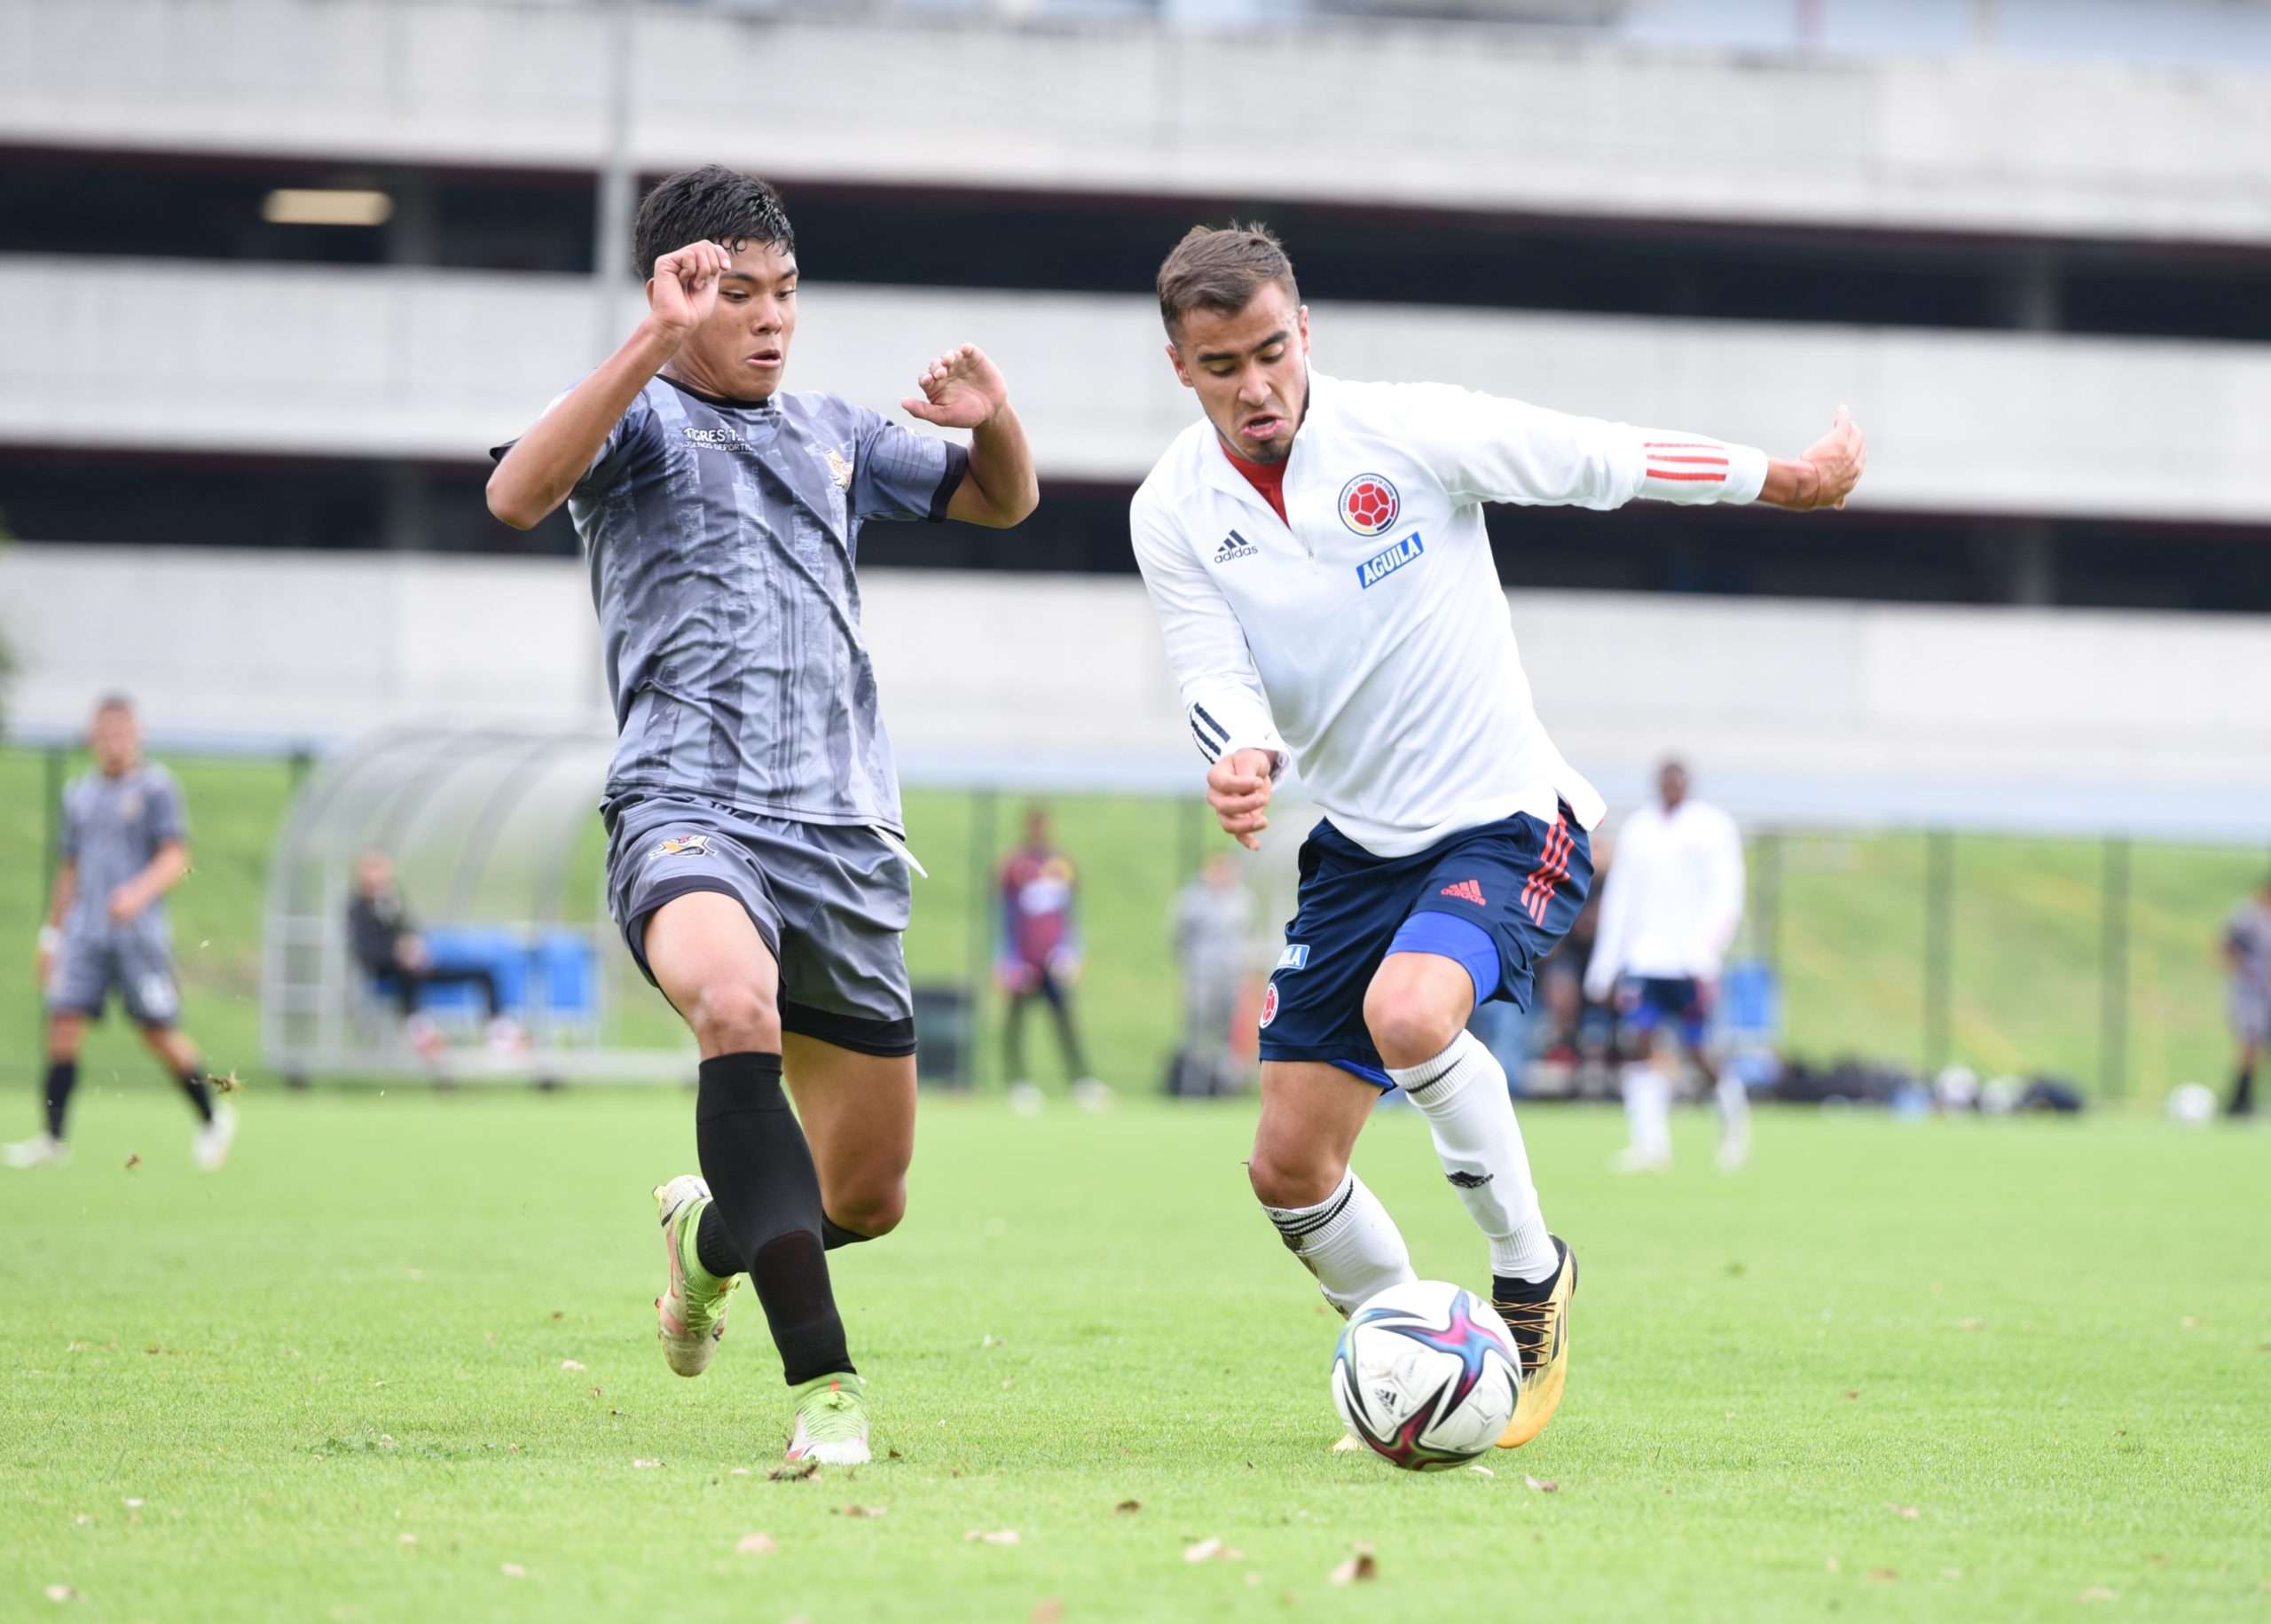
{"x":721,"y":538}
{"x":112,"y":828}
{"x":2247,"y":933}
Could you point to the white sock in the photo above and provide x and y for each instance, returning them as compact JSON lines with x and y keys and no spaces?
{"x":1348,"y":1242}
{"x":1462,"y":1092}
{"x":1734,"y":1116}
{"x":1647,"y":1108}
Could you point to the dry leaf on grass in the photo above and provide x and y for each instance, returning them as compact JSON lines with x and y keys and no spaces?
{"x":863,"y":1511}
{"x":1969,"y":1324}
{"x":757,"y":1545}
{"x":793,"y":1471}
{"x":1127,"y":1508}
{"x":1544,"y":1486}
{"x":1831,"y":1564}
{"x":1486,"y":1472}
{"x":407,"y":1539}
{"x":1347,"y":1443}
{"x":1885,"y":1574}
{"x":133,"y":1161}
{"x":1213,"y":1551}
{"x":993,"y":1536}
{"x":512,"y":1570}
{"x":60,"y":1593}
{"x":1852,"y":1393}
{"x":1908,"y":1512}
{"x":134,"y":1503}
{"x":226,"y":1085}
{"x":1359,"y":1568}
{"x":1951,"y":1572}
{"x":573,"y":1364}
{"x":2191,"y":1321}
{"x":2096,"y":1593}
{"x":646,"y":1464}
{"x":1048,"y":1610}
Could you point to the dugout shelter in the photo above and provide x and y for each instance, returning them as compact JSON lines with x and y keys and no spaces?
{"x":497,"y":849}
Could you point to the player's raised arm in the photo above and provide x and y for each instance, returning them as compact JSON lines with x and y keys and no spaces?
{"x":963,"y":389}
{"x":543,"y":465}
{"x":1222,"y":696}
{"x":1488,"y":449}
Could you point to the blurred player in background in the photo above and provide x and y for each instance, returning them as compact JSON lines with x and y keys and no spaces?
{"x":1668,"y":912}
{"x":2247,"y":963}
{"x":1213,"y":939}
{"x":384,"y":939}
{"x":125,"y":845}
{"x":1316,"y":552}
{"x":756,"y":861}
{"x":1040,"y":959}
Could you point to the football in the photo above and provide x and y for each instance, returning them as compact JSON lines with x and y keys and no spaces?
{"x":1426,"y":1375}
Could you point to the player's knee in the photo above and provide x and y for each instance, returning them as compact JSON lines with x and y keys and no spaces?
{"x":872,"y":1210}
{"x":1408,"y":1024}
{"x":735,"y":1017}
{"x":1290,"y":1177}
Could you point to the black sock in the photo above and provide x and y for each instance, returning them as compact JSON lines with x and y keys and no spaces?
{"x":715,"y":1246}
{"x":2243,"y":1093}
{"x":192,"y":1084}
{"x":768,"y":1198}
{"x":834,"y":1235}
{"x":62,"y":1078}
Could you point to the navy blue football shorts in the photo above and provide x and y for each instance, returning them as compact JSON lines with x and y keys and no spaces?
{"x":1497,"y":898}
{"x":1650,"y":1001}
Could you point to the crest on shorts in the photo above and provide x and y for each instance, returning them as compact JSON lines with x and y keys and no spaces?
{"x":684,"y":845}
{"x":1269,"y":1003}
{"x":839,"y":469}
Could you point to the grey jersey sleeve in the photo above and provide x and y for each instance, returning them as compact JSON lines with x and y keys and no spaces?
{"x":168,"y":813}
{"x":635,"y":436}
{"x":897,"y":474}
{"x":631,"y":444}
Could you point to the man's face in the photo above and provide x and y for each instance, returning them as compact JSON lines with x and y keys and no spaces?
{"x":741,"y":349}
{"x":115,"y":739}
{"x":374,"y":873}
{"x":1250,"y":370}
{"x":1037,"y":829}
{"x":1672,"y":784}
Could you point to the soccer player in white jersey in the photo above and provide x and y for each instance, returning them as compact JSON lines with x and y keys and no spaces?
{"x":1316,"y":552}
{"x":1668,"y":912}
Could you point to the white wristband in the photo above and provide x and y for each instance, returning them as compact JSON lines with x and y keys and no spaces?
{"x":49,"y":939}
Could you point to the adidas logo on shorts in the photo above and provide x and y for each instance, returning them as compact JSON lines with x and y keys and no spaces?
{"x":1466,"y":890}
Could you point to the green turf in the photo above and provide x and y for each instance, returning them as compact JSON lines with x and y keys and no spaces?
{"x":1980,"y":1369}
{"x":1849,"y":929}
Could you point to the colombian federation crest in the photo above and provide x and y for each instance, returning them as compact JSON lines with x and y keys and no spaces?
{"x":1369,"y":504}
{"x":1269,"y":1003}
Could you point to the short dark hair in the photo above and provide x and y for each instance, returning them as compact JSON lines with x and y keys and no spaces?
{"x":1222,"y":270}
{"x":711,"y":204}
{"x":113,"y":701}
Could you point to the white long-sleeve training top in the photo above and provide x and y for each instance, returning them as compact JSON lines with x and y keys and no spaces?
{"x":1368,"y":640}
{"x":1674,"y":897}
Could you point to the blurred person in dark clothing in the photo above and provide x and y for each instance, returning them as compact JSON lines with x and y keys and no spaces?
{"x":1040,"y":959}
{"x":386,"y":943}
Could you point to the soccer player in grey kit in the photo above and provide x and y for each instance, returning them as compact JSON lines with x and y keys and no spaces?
{"x":755,"y":856}
{"x":125,"y":845}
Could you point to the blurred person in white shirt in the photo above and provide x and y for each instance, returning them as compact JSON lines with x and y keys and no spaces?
{"x":1669,"y":910}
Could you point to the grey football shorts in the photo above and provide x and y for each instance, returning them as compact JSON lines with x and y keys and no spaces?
{"x":139,"y":963}
{"x":831,"y":903}
{"x":2250,"y":1009}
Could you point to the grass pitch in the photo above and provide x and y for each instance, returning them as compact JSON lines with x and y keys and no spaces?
{"x":398,"y":1363}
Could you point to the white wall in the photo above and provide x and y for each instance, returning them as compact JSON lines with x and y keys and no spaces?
{"x":1426,"y":113}
{"x":1839,"y":713}
{"x":443,"y":364}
